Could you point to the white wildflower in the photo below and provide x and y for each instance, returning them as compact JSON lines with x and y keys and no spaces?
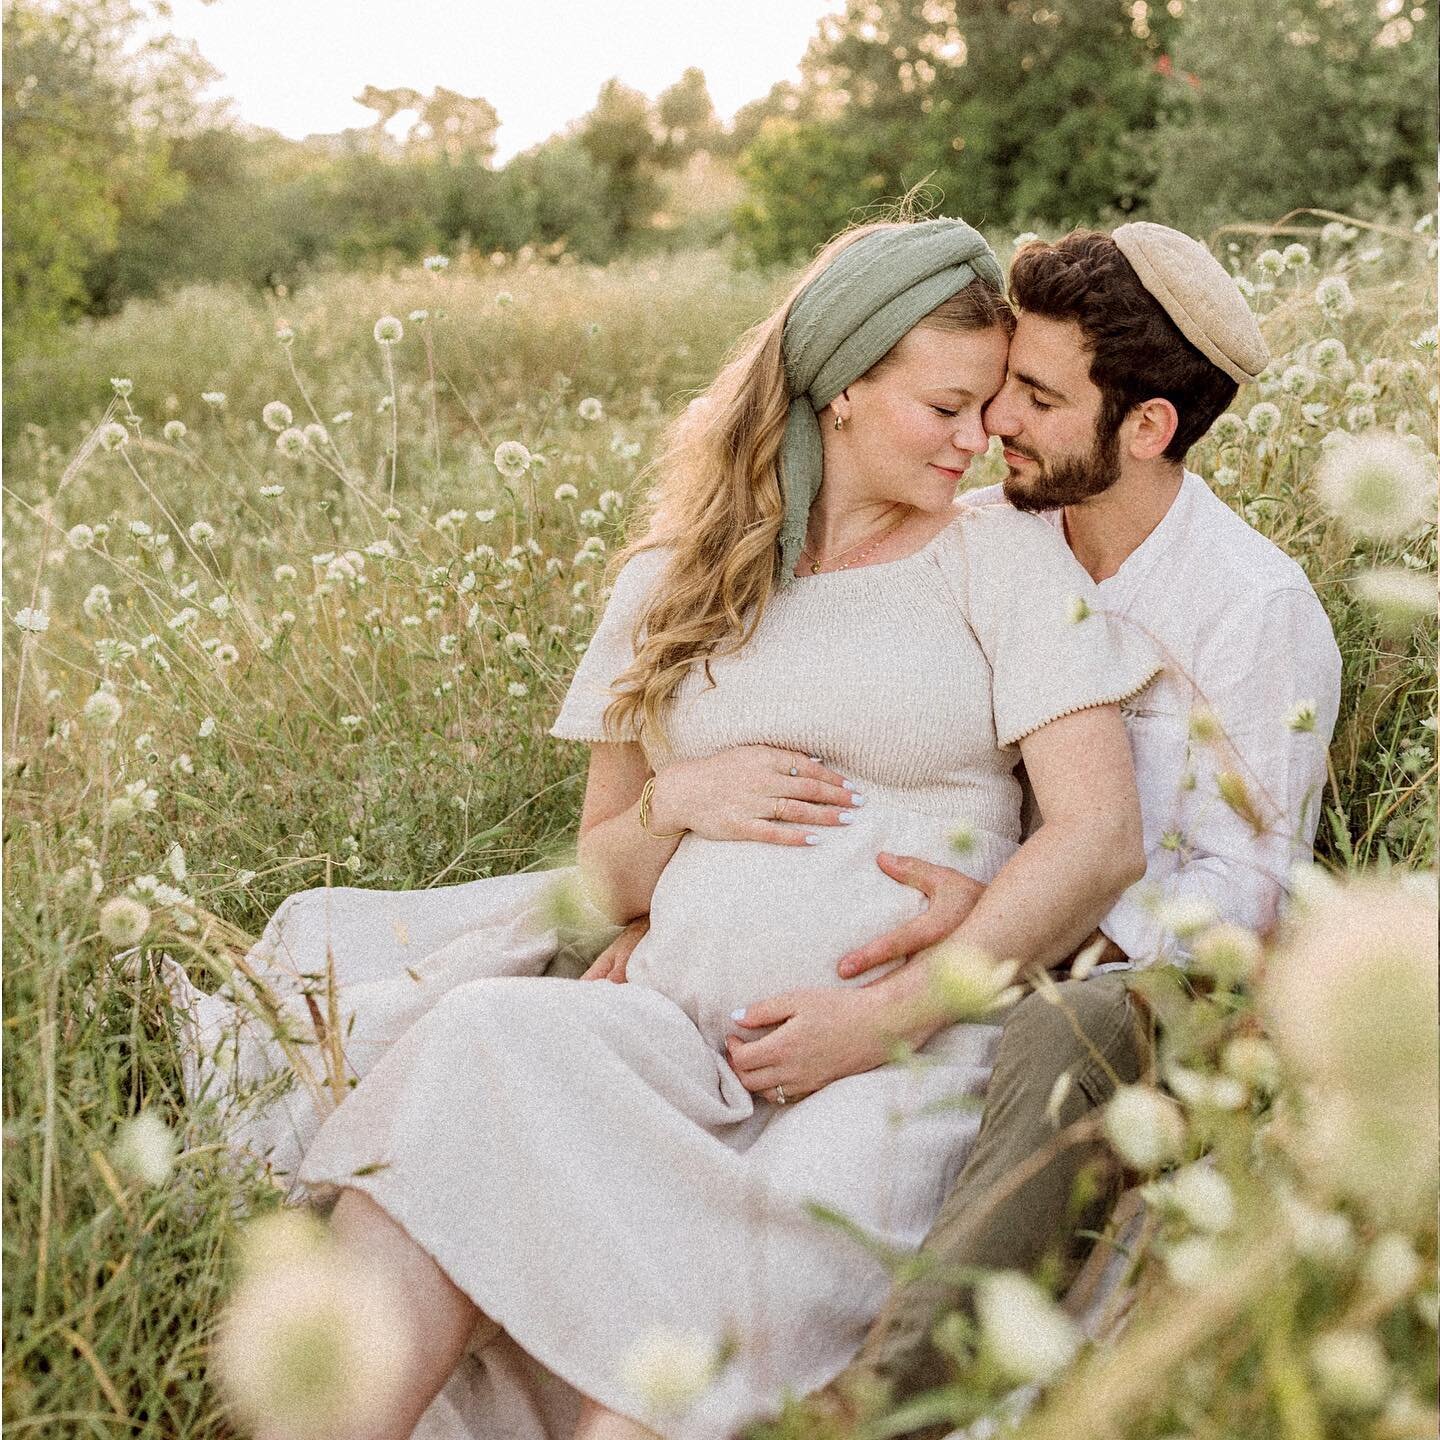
{"x":388,"y":330}
{"x":1252,"y":1062}
{"x":1328,"y":355}
{"x":566,"y":492}
{"x":1296,"y":256}
{"x":419,"y":317}
{"x":1228,"y":953}
{"x":79,"y":537}
{"x":277,"y":416}
{"x":351,"y":722}
{"x":1333,"y":296}
{"x":102,"y":711}
{"x":1025,"y":1332}
{"x":967,"y":983}
{"x":1398,"y":596}
{"x":145,"y":1149}
{"x":590,"y":408}
{"x":316,"y":434}
{"x":283,"y":573}
{"x":207,"y":727}
{"x":517,"y":689}
{"x":1263,"y":418}
{"x":1298,"y":380}
{"x":1228,"y":429}
{"x":123,"y":388}
{"x":123,"y":922}
{"x":1270,"y":262}
{"x":1145,"y":1127}
{"x":214,"y":398}
{"x":1379,"y":486}
{"x":1351,"y":1369}
{"x":32,"y":620}
{"x":1203,"y":1195}
{"x":436,"y":263}
{"x":343,"y":417}
{"x":1195,"y":1263}
{"x":291,"y":443}
{"x":668,"y":1371}
{"x":226,"y":654}
{"x":591,"y":519}
{"x":1392,"y":1267}
{"x":512,"y":459}
{"x":270,"y":492}
{"x":1425,"y":342}
{"x":610,"y":502}
{"x":113,"y":435}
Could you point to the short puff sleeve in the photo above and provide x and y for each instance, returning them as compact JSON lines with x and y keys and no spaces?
{"x":1039,"y":620}
{"x":611,"y":652}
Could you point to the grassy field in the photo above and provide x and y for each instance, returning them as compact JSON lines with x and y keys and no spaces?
{"x":251,"y":650}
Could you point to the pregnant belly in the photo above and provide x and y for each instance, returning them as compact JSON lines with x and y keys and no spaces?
{"x":733,"y":922}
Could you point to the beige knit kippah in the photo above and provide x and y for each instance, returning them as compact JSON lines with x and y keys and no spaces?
{"x":1197,"y":294}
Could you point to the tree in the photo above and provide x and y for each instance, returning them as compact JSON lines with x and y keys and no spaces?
{"x":686,"y":117}
{"x":619,"y":137}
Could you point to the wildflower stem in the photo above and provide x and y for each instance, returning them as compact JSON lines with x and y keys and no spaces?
{"x":394,"y":420}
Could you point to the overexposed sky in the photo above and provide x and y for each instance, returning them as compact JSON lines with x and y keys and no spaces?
{"x":294,"y":65}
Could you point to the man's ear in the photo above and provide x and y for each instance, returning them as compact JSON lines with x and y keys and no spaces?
{"x":1152,"y":425}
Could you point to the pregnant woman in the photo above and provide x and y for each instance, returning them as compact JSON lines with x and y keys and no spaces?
{"x":811,"y":657}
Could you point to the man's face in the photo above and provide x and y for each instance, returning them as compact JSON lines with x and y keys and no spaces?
{"x":1047,"y":413}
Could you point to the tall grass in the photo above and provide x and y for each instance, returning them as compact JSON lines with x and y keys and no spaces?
{"x":317,"y":686}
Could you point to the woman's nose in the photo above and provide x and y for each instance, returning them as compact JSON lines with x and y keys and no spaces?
{"x":970,"y":436}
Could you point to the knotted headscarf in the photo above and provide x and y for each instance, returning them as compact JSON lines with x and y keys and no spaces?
{"x":846,"y":321}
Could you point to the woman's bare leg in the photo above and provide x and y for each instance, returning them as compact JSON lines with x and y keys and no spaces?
{"x":598,"y":1423}
{"x":441,"y":1317}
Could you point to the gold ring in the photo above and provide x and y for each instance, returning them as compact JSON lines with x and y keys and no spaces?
{"x":780,"y":1095}
{"x":775,"y":810}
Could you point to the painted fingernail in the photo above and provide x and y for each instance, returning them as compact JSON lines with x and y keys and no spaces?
{"x":738,"y":1014}
{"x":848,"y":784}
{"x":815,"y":758}
{"x":812,"y":839}
{"x":846,"y":817}
{"x":857,"y":799}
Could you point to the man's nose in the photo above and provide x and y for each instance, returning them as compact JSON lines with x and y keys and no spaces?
{"x":998,"y":418}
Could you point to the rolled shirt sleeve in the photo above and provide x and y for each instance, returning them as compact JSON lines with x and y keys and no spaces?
{"x":1249,"y":755}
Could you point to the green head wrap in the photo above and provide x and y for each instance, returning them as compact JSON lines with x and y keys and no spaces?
{"x":846,"y":321}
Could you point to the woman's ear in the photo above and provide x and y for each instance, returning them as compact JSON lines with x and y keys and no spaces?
{"x":1152,"y":425}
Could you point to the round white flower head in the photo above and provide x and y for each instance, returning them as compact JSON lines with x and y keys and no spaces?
{"x":388,"y":330}
{"x":1025,"y":1332}
{"x":1263,"y":418}
{"x":1351,"y":1369}
{"x":226,"y":654}
{"x":145,"y":1149}
{"x":311,"y":1345}
{"x":121,"y":387}
{"x":271,"y":492}
{"x":1270,"y":262}
{"x":512,"y":459}
{"x":343,"y":417}
{"x":31,"y":620}
{"x":610,"y":502}
{"x":97,"y":602}
{"x":124,"y":921}
{"x":590,"y":408}
{"x":175,"y":431}
{"x":113,"y":435}
{"x":1228,"y":953}
{"x":668,"y":1371}
{"x":102,"y":710}
{"x":1329,"y":355}
{"x":1298,"y":380}
{"x":966,"y":982}
{"x":207,"y":727}
{"x":1195,"y":1263}
{"x":566,"y":492}
{"x":285,"y":333}
{"x":436,"y":263}
{"x":517,"y":689}
{"x":1203,"y":1195}
{"x":351,"y":722}
{"x":504,"y":297}
{"x":1425,"y":342}
{"x":419,"y":317}
{"x":1392,"y":1268}
{"x":277,"y":416}
{"x":79,"y":537}
{"x":1296,"y":256}
{"x":1398,"y":596}
{"x":1378,"y":486}
{"x":201,"y":532}
{"x":1228,"y":429}
{"x":1333,"y":296}
{"x":1145,"y":1127}
{"x":1359,"y":418}
{"x":316,"y":434}
{"x":213,"y":398}
{"x":291,"y":443}
{"x":1252,"y":1062}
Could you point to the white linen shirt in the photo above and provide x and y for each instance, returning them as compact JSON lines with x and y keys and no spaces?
{"x":1249,"y":655}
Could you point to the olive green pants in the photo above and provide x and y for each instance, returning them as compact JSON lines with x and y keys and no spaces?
{"x":1025,"y":1191}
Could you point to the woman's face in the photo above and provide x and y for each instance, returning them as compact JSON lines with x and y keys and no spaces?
{"x":913,"y":425}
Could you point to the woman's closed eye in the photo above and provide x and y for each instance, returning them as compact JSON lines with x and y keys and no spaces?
{"x":941,"y":410}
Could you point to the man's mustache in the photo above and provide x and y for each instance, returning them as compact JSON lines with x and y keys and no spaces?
{"x":1018,"y":449}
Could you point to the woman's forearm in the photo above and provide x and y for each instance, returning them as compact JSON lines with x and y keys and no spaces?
{"x":621,"y":862}
{"x":1044,"y":902}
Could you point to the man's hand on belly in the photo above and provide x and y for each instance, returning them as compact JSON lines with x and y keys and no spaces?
{"x":820,"y":1035}
{"x":952,"y":896}
{"x":611,"y":962}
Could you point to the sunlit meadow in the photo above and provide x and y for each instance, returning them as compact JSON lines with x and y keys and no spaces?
{"x":292,"y":591}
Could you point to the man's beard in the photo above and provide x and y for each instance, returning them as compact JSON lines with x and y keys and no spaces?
{"x":1070,"y":480}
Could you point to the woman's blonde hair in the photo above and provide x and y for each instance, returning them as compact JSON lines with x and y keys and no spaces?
{"x":718,"y":506}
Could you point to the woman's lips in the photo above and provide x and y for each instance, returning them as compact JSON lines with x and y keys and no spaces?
{"x":945,"y":470}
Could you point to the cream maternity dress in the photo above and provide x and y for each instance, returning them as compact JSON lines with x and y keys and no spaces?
{"x":578,"y":1156}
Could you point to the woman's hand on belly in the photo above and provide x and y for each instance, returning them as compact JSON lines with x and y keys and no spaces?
{"x":752,"y":792}
{"x":820,"y":1035}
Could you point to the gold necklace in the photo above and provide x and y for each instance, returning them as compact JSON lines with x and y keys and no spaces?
{"x":816,"y":563}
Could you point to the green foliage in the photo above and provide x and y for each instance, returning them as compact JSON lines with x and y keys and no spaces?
{"x":1306,"y":102}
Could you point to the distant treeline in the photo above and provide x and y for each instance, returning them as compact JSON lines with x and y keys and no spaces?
{"x":119,"y":182}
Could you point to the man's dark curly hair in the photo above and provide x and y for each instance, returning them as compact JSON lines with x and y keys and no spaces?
{"x":1136,"y":351}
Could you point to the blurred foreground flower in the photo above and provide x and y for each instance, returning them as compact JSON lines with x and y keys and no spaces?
{"x":1350,"y":997}
{"x":668,"y":1371}
{"x":1025,"y":1332}
{"x":968,"y":983}
{"x":311,"y":1345}
{"x":145,"y":1149}
{"x":123,"y":922}
{"x":1144,"y":1126}
{"x":1399,"y":597}
{"x":1378,"y":485}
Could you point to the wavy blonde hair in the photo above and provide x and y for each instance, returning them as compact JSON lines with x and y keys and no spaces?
{"x":718,"y":504}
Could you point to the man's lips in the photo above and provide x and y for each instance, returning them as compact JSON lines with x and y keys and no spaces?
{"x":1013,"y":456}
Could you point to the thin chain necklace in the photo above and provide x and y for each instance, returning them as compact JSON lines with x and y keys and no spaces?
{"x":871,"y":545}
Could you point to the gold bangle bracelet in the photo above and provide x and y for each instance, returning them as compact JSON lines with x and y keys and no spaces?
{"x":645,"y":795}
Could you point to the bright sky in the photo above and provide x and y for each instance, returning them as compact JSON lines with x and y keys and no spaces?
{"x":294,"y":65}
